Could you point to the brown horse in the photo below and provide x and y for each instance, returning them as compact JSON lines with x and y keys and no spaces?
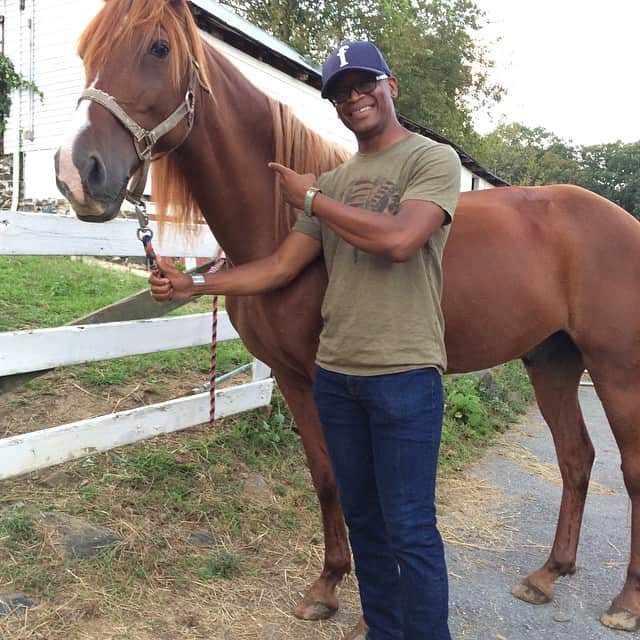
{"x":546,"y":274}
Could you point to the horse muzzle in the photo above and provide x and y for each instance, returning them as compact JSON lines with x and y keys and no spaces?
{"x":93,"y":194}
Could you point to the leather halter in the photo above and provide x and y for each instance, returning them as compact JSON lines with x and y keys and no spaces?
{"x":145,"y":139}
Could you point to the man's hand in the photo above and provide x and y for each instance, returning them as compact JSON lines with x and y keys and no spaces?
{"x":295,"y":185}
{"x":171,"y":284}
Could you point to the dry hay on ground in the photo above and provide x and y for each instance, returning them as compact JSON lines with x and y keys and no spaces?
{"x":150,"y":586}
{"x":473,"y":514}
{"x":549,"y":472}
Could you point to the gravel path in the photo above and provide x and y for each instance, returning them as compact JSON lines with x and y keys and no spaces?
{"x":520,"y":470}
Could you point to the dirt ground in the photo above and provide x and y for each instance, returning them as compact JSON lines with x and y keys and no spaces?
{"x":482,"y":516}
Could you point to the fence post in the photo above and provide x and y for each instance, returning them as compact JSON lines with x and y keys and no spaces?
{"x":260,"y":371}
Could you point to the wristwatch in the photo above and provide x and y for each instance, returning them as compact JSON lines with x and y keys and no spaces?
{"x":308,"y":200}
{"x":197,"y":278}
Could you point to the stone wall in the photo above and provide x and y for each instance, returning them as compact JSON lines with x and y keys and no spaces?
{"x":50,"y":205}
{"x":6,"y":184}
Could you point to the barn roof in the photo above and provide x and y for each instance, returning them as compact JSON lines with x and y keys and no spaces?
{"x":223,"y":23}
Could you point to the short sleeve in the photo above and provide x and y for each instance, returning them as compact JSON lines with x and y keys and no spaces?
{"x":308,"y":226}
{"x":311,"y":225}
{"x":435,"y":177}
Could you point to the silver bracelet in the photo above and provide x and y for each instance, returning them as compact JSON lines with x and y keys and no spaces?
{"x":308,"y":200}
{"x":197,"y":278}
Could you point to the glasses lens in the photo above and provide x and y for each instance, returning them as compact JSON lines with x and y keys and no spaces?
{"x":365,"y":86}
{"x":342,"y":94}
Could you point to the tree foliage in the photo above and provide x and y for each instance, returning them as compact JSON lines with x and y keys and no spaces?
{"x":524,"y":156}
{"x":613,"y":171}
{"x":10,"y":79}
{"x":429,"y":45}
{"x":443,"y":75}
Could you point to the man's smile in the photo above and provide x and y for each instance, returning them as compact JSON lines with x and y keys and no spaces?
{"x":361,"y":111}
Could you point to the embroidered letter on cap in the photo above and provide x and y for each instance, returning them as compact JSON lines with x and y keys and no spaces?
{"x":342,"y":51}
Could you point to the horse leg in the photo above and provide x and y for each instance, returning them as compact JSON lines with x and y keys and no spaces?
{"x":619,"y":389}
{"x":555,"y":367}
{"x":320,"y":601}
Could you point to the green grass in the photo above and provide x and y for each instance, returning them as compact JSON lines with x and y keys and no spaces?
{"x":224,"y":565}
{"x":39,"y":292}
{"x":48,"y":291}
{"x":18,"y":528}
{"x":474,"y":415}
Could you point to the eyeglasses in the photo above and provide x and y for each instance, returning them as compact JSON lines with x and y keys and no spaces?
{"x":367,"y":85}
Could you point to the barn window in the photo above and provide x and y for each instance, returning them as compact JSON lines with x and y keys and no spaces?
{"x":475,"y":183}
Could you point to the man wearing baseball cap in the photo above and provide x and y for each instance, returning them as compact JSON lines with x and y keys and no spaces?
{"x":381,"y":221}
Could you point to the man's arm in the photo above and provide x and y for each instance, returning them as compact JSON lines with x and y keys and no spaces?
{"x":396,"y":237}
{"x":275,"y":271}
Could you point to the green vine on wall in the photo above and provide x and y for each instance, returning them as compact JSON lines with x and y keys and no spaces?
{"x":10,"y":79}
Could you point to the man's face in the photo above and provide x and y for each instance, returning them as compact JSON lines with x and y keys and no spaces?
{"x":363,"y":104}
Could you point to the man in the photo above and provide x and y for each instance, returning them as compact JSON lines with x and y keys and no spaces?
{"x":381,"y":220}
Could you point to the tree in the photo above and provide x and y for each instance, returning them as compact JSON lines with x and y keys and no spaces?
{"x":429,"y":45}
{"x":613,"y":171}
{"x":524,"y":156}
{"x":10,"y":79}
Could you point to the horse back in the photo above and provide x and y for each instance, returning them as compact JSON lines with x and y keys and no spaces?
{"x":524,"y":262}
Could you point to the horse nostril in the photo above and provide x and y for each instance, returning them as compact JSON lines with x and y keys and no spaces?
{"x":96,"y":175}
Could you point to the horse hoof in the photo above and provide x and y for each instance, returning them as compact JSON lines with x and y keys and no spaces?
{"x":618,"y":618}
{"x":530,"y":593}
{"x":314,"y":611}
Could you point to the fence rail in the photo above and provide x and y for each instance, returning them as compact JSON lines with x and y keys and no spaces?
{"x":37,"y":234}
{"x":35,"y":350}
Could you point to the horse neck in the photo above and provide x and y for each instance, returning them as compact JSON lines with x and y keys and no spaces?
{"x":225,"y":163}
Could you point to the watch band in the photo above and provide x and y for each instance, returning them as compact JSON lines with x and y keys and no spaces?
{"x":308,"y":200}
{"x":197,"y":278}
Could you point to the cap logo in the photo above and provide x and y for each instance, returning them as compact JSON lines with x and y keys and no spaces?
{"x":342,"y":54}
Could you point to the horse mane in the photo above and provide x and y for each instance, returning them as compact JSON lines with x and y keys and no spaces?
{"x":302,"y":150}
{"x":135,"y":24}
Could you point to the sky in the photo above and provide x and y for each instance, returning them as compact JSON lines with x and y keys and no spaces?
{"x":569,"y":66}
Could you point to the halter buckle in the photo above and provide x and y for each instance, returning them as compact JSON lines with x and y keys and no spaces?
{"x":141,"y":214}
{"x":149,"y":141}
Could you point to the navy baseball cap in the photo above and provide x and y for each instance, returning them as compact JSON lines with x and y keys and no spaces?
{"x":362,"y":56}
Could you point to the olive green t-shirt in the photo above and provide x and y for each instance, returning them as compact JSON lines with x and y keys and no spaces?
{"x":382,"y":316}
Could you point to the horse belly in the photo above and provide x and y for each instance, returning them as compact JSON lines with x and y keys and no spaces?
{"x":502,"y":296}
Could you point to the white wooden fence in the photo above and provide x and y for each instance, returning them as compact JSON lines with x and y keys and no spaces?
{"x":35,"y":350}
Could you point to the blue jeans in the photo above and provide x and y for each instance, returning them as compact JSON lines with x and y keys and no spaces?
{"x":383,"y":436}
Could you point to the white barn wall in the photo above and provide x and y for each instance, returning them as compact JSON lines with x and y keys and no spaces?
{"x":52,"y":63}
{"x":305,"y":101}
{"x":48,"y":32}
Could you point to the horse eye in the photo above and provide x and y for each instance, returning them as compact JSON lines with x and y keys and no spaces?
{"x":159,"y":49}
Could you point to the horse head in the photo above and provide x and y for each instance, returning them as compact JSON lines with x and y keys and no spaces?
{"x":141,"y":64}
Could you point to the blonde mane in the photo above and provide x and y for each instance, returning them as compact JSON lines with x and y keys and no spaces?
{"x":135,"y":24}
{"x":302,"y":150}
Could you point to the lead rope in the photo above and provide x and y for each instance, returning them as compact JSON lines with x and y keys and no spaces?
{"x":145,"y":235}
{"x":219,"y":263}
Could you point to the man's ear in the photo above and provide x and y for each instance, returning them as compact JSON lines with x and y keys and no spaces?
{"x":393,"y":87}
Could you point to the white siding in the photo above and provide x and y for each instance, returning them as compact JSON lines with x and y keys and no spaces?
{"x":316,"y":113}
{"x":42,"y":41}
{"x":48,"y":32}
{"x":12,"y":35}
{"x":3,"y":13}
{"x":466,"y":181}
